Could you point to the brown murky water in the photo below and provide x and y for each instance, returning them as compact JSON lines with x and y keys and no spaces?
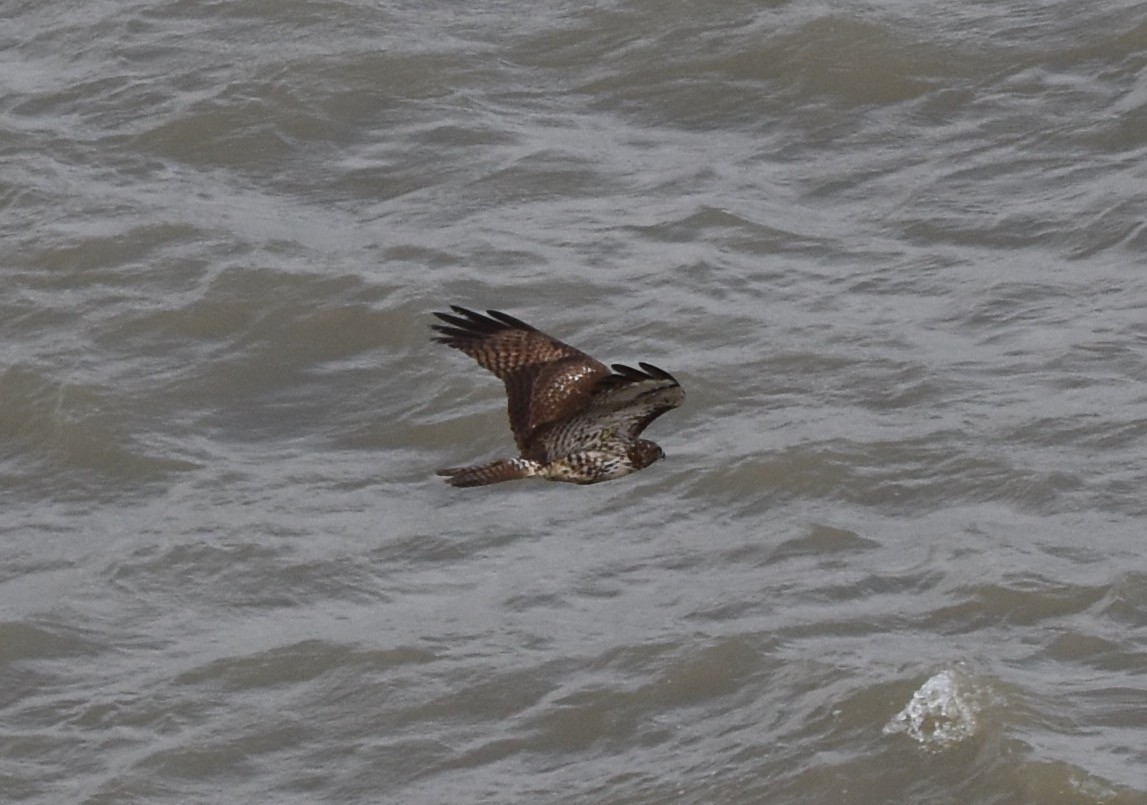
{"x":894,"y":252}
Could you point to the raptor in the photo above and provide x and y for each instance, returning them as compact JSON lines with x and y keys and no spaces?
{"x":573,"y":418}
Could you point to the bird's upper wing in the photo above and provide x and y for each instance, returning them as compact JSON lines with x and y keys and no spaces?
{"x":546,"y":379}
{"x":629,"y":399}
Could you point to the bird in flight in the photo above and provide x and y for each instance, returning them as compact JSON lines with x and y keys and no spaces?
{"x":573,"y":419}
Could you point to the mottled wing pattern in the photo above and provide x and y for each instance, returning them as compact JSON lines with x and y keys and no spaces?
{"x":623,"y":405}
{"x":546,"y":380}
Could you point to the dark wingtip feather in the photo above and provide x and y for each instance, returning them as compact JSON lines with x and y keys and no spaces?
{"x":450,"y":335}
{"x":465,"y":324}
{"x":461,"y":323}
{"x":647,"y":372}
{"x":627,"y":372}
{"x":468,"y":323}
{"x":464,"y":317}
{"x":450,"y":318}
{"x":656,"y":371}
{"x":507,"y":319}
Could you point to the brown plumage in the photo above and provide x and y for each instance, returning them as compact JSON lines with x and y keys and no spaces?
{"x":572,"y":418}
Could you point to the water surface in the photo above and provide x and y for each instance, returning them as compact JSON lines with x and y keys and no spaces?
{"x":894,"y":252}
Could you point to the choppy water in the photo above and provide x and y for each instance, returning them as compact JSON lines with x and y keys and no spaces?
{"x":894,"y":251}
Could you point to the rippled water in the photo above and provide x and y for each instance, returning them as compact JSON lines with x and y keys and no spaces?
{"x":894,"y":252}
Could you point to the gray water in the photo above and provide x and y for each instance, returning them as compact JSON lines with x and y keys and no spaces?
{"x":893,"y":251}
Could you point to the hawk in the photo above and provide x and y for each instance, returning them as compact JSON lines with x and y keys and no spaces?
{"x":573,"y":419}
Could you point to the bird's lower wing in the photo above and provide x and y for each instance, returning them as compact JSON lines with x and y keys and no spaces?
{"x":628,"y":400}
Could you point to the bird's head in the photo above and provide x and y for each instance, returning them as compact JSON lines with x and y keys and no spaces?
{"x":644,"y":452}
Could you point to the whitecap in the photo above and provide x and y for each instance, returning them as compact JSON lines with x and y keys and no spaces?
{"x":943,"y":712}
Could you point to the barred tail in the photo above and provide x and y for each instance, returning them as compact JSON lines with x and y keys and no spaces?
{"x":504,"y":469}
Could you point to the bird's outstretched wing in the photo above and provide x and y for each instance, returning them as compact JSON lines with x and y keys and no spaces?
{"x":626,"y":401}
{"x":546,"y":380}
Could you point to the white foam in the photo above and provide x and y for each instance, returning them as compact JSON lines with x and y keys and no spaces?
{"x":941,"y":713}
